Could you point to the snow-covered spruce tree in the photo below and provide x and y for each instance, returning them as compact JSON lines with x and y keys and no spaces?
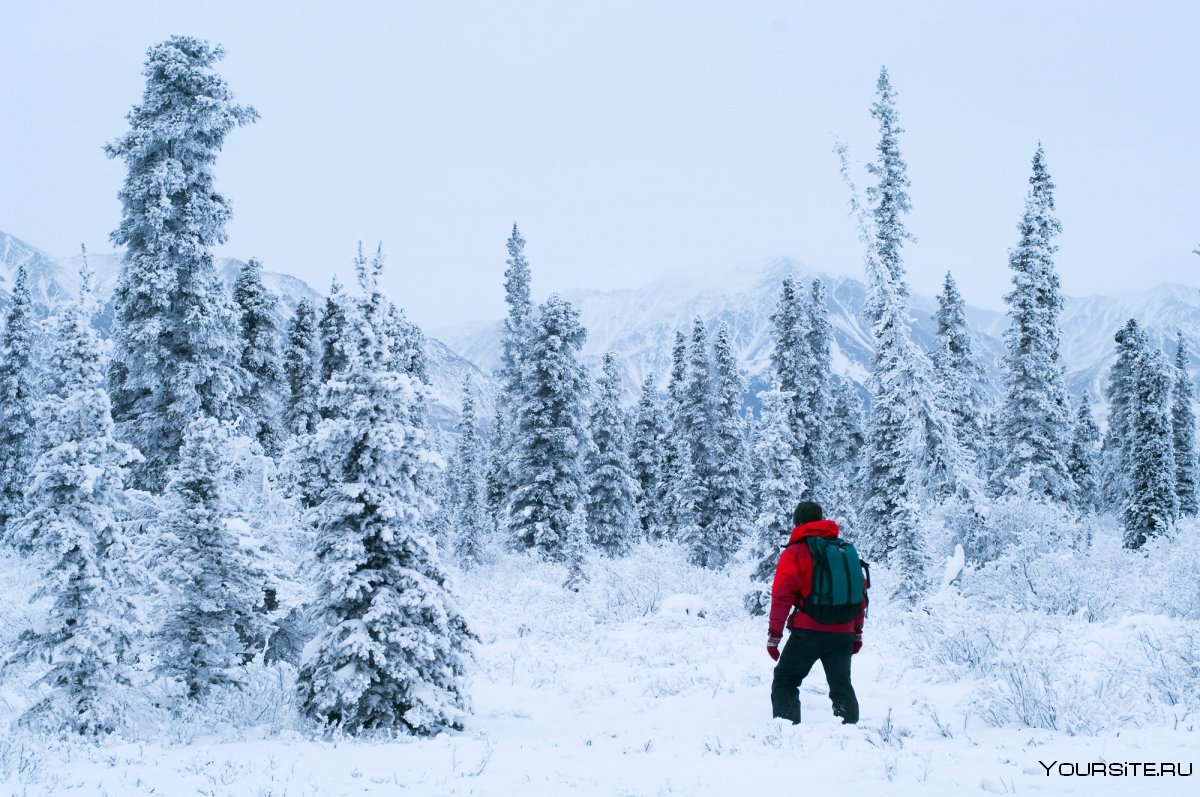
{"x":911,"y":451}
{"x":612,"y":494}
{"x":956,"y":372}
{"x":698,"y":419}
{"x":846,"y":424}
{"x":1151,"y":506}
{"x":173,"y":355}
{"x":302,"y":367}
{"x":646,"y":459}
{"x":677,"y":485}
{"x":407,"y":345}
{"x":888,"y":197}
{"x":1119,"y":390}
{"x":551,"y":435}
{"x":263,"y":378}
{"x":778,"y":485}
{"x":332,"y":331}
{"x":394,"y":650}
{"x":790,"y":343}
{"x":216,"y":584}
{"x":1035,"y":420}
{"x":18,"y":399}
{"x":514,"y":347}
{"x":731,"y":502}
{"x":1083,"y":459}
{"x":76,"y":497}
{"x":499,"y":449}
{"x":814,"y":377}
{"x":521,"y":320}
{"x":469,"y":520}
{"x":1183,"y":436}
{"x":889,"y":467}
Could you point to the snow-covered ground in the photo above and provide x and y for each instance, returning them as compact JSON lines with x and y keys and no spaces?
{"x":652,"y":680}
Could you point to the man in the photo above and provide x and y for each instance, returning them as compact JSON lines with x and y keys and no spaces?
{"x":809,"y":640}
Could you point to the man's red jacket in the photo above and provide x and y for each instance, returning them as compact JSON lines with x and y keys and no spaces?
{"x":793,"y":579}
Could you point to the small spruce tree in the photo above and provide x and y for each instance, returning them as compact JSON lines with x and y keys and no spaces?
{"x":612,"y":497}
{"x":216,"y":584}
{"x":302,"y":367}
{"x":1183,"y":436}
{"x":778,"y":485}
{"x":263,"y":378}
{"x":1083,"y":461}
{"x":646,"y":459}
{"x":394,"y":650}
{"x":731,"y":477}
{"x":76,"y":500}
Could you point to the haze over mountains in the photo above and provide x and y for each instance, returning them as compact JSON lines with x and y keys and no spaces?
{"x":639,"y":324}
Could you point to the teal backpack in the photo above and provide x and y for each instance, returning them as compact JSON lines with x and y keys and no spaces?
{"x":839,"y":581}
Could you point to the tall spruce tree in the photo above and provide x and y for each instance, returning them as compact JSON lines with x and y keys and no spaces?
{"x":216,"y":585}
{"x":650,"y":436}
{"x":18,"y":400}
{"x":1083,"y":461}
{"x":731,"y":500}
{"x":394,"y":650}
{"x":1183,"y":434}
{"x":551,"y":436}
{"x":302,"y":368}
{"x":263,"y":378}
{"x":910,"y":445}
{"x":519,"y":325}
{"x":1035,"y":421}
{"x":778,"y":484}
{"x":173,"y":357}
{"x":888,"y":197}
{"x":612,"y":496}
{"x":514,"y":347}
{"x":957,"y":374}
{"x":1151,"y":505}
{"x":76,"y":498}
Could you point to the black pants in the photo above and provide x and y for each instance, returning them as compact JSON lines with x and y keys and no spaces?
{"x":802,"y":650}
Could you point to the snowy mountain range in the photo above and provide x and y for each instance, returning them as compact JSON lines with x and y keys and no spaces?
{"x":639,"y":324}
{"x":55,"y":280}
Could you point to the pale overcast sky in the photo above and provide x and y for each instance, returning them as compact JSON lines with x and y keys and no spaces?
{"x":629,"y":139}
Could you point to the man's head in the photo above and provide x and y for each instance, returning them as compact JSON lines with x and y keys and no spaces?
{"x":807,"y":512}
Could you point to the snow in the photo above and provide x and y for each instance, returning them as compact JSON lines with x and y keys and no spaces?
{"x":611,"y":691}
{"x":681,"y":606}
{"x":954,"y":567}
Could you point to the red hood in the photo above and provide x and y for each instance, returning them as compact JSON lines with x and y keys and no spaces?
{"x":818,"y":528}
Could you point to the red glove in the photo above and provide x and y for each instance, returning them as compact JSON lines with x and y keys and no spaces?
{"x":773,"y":647}
{"x":857,"y":643}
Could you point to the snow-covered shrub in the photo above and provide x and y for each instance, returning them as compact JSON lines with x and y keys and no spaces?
{"x":1166,"y":579}
{"x":1043,"y":692}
